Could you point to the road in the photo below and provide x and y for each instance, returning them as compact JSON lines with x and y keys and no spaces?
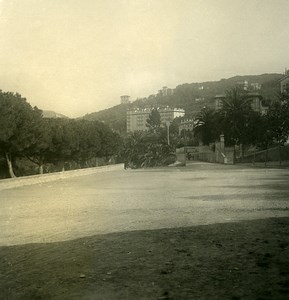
{"x":126,"y":200}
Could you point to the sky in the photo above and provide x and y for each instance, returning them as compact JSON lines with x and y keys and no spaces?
{"x":79,"y":56}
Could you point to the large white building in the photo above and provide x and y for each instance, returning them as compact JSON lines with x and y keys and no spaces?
{"x":136,"y":119}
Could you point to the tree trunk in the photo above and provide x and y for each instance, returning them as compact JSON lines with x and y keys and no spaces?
{"x":40,"y":165}
{"x":10,"y":166}
{"x":242,"y":151}
{"x":41,"y":169}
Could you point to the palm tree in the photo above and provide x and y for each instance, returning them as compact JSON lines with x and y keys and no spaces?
{"x":206,"y":126}
{"x":134,"y":149}
{"x":236,"y":114}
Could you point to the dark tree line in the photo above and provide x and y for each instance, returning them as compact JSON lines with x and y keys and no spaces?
{"x":25,"y":133}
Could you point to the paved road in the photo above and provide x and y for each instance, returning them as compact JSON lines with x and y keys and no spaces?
{"x":141,"y":199}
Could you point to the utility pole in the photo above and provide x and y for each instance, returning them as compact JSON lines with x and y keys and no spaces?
{"x":168,"y":131}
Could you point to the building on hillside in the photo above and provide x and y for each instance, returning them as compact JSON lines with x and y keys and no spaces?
{"x":284,"y":82}
{"x":256,"y":102}
{"x":219,"y":101}
{"x":136,"y":119}
{"x":243,"y":85}
{"x":165,"y":91}
{"x":125,"y":99}
{"x":186,"y":125}
{"x":255,"y":86}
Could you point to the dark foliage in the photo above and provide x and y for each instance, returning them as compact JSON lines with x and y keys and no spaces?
{"x":24,"y":133}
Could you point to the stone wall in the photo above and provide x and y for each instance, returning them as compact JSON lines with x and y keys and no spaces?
{"x":35,"y":179}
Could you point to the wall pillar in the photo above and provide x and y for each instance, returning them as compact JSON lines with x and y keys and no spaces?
{"x":222,"y":143}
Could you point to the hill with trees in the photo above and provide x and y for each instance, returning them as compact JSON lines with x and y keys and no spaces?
{"x":53,"y":115}
{"x":115,"y":117}
{"x":190,"y":96}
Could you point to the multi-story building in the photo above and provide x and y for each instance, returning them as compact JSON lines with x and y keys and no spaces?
{"x":256,"y":102}
{"x":243,"y":85}
{"x":284,"y":82}
{"x":125,"y":99}
{"x":136,"y":119}
{"x":187,"y":125}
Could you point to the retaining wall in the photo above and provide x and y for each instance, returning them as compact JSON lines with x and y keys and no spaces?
{"x":35,"y":179}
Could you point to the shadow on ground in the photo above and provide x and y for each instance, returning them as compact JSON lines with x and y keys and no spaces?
{"x":245,"y":260}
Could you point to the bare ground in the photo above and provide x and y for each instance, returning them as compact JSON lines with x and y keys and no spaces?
{"x":201,"y":232}
{"x":244,"y":260}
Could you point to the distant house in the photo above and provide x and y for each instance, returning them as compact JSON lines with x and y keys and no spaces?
{"x":243,"y":85}
{"x":284,"y":82}
{"x":125,"y":99}
{"x":136,"y":119}
{"x":255,"y":86}
{"x":256,"y":102}
{"x":219,"y":101}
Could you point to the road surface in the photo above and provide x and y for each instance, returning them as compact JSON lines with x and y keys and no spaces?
{"x":126,"y":200}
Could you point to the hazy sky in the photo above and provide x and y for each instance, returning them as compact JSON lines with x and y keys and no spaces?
{"x":79,"y":56}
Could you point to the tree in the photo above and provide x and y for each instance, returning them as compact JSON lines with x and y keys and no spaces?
{"x":154,"y":120}
{"x":206,"y":127}
{"x":61,"y":141}
{"x":157,"y":150}
{"x":278,"y":122}
{"x":148,"y":149}
{"x":110,"y":141}
{"x":256,"y":130}
{"x":85,"y":141}
{"x":18,"y":123}
{"x":134,"y":149}
{"x":235,"y":114}
{"x":40,"y":151}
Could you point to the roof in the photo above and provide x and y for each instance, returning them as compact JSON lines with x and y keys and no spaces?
{"x":254,"y":94}
{"x":283,"y":78}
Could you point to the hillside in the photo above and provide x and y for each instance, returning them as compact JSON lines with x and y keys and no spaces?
{"x":114,"y":116}
{"x":53,"y":115}
{"x":190,"y":96}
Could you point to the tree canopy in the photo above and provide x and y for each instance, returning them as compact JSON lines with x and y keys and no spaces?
{"x":206,"y":127}
{"x":18,"y":126}
{"x":154,"y":119}
{"x":24,"y":133}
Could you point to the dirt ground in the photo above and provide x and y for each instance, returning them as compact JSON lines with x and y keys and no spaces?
{"x":242,"y":260}
{"x":201,"y":232}
{"x":119,"y":201}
